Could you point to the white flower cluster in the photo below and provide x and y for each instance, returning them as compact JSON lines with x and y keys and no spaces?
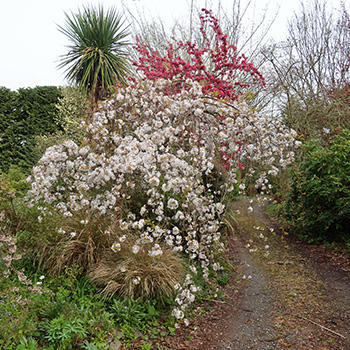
{"x":144,"y":159}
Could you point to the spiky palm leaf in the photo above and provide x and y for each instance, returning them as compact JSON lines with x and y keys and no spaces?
{"x":97,"y":55}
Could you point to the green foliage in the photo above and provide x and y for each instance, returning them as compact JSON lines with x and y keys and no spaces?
{"x":27,"y":344}
{"x":17,"y":180}
{"x":318,"y":206}
{"x":33,"y":237}
{"x":14,"y":319}
{"x":72,"y":108}
{"x":93,"y":346}
{"x":133,"y":312}
{"x":222,"y":279}
{"x":65,"y":318}
{"x":19,"y":305}
{"x":60,"y":330}
{"x":146,"y":346}
{"x":23,"y":115}
{"x":12,"y":189}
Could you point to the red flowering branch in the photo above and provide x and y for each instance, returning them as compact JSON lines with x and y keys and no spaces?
{"x":219,"y":80}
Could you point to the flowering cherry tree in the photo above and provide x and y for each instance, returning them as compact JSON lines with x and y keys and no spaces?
{"x":139,"y":180}
{"x":142,"y":165}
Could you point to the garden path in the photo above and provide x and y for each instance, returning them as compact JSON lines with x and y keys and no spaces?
{"x":283,"y":294}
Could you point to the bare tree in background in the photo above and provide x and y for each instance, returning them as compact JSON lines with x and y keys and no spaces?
{"x":309,"y":72}
{"x":244,"y":33}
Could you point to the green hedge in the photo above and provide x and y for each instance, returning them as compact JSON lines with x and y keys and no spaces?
{"x":318,"y":206}
{"x":23,"y":115}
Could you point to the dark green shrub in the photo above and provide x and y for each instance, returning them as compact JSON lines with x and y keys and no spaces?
{"x":23,"y":115}
{"x":318,"y":206}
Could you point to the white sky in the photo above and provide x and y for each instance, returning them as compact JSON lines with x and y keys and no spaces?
{"x":31,"y":43}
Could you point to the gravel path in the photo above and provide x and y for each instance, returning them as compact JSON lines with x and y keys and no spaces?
{"x":251,"y":324}
{"x":284,"y":294}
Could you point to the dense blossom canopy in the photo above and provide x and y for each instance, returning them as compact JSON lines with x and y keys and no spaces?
{"x":143,"y":161}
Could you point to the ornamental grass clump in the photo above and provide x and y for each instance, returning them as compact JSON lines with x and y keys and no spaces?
{"x":80,"y":239}
{"x":139,"y":274}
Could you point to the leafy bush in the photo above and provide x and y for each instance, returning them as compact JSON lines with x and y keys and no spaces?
{"x":27,"y":344}
{"x":66,"y":316}
{"x":72,"y":108}
{"x":12,"y":189}
{"x":319,"y":203}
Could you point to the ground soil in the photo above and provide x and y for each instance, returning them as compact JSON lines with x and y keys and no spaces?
{"x":282,"y":294}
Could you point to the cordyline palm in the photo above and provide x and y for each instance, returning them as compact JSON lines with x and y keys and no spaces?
{"x":97,"y":56}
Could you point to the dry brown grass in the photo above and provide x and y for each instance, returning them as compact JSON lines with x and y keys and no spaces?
{"x":86,"y":248}
{"x":118,"y":271}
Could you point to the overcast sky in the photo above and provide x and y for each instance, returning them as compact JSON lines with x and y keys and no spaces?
{"x":31,"y":43}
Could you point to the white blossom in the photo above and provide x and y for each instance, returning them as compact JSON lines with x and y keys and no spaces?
{"x":160,"y":146}
{"x":135,"y":249}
